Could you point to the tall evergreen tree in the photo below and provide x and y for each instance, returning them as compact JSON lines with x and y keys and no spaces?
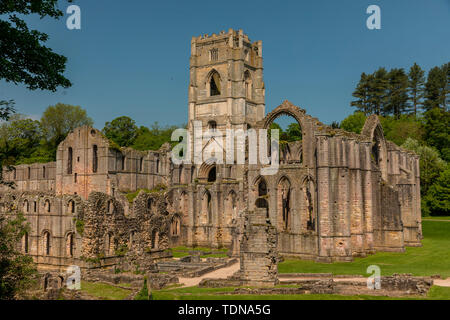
{"x":378,"y":91}
{"x":416,"y":81}
{"x":361,"y":93}
{"x":437,"y":88}
{"x":397,"y":98}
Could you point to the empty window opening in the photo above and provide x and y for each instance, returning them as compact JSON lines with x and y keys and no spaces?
{"x":47,"y":243}
{"x":94,"y":158}
{"x":155,"y":239}
{"x":69,"y":161}
{"x":71,"y":206}
{"x":70,"y":245}
{"x":25,"y":243}
{"x":214,"y":84}
{"x":212,"y":174}
{"x":262,"y":188}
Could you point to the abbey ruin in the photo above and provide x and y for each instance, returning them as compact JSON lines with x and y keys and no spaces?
{"x":336,"y":195}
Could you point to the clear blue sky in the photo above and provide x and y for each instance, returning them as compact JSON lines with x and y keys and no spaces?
{"x":132,"y":57}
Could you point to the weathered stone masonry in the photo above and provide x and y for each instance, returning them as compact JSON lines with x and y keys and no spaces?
{"x":336,"y":194}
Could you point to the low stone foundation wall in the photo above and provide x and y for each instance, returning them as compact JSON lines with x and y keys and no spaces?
{"x":396,"y":285}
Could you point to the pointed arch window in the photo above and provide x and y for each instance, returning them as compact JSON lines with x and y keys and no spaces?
{"x":214,"y":84}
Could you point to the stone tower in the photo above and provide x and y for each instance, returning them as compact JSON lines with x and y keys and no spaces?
{"x":226,"y":89}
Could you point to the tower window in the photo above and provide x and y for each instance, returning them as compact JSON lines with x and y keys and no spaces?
{"x":214,"y":84}
{"x":214,"y":54}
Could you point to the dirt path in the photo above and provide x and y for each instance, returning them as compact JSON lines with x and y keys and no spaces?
{"x":216,"y":274}
{"x":230,"y":270}
{"x":435,"y":220}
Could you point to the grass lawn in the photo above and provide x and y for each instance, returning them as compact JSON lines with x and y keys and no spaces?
{"x":437,"y":218}
{"x":195,"y":293}
{"x":432,"y":258}
{"x":182,"y":251}
{"x":104,"y":291}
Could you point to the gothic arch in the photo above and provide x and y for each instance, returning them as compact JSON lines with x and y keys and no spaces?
{"x":213,"y":83}
{"x":308,"y":214}
{"x":260,"y":186}
{"x":286,"y":108}
{"x":70,"y":243}
{"x":284,"y":203}
{"x":373,"y":131}
{"x":175,"y":226}
{"x":206,"y":208}
{"x":46,"y":242}
{"x":204,"y":170}
{"x":47,"y":205}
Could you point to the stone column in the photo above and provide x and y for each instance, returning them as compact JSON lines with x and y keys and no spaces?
{"x":259,"y":250}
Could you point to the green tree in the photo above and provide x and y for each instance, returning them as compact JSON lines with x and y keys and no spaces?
{"x":122,"y":130}
{"x":354,"y":122}
{"x":416,"y":81}
{"x":154,"y":137}
{"x":16,"y":269}
{"x":361,"y":93}
{"x":19,"y":138}
{"x":437,"y":88}
{"x":437,"y":130}
{"x":378,"y":87}
{"x":23,"y":56}
{"x":397,"y":94}
{"x":438,"y":197}
{"x":406,"y":126}
{"x":431,"y":164}
{"x":6,"y":109}
{"x":294,"y":132}
{"x":59,"y":120}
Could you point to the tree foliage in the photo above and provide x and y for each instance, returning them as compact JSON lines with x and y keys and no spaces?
{"x":59,"y":120}
{"x":16,"y":269}
{"x":154,"y":137}
{"x":437,"y":200}
{"x":431,"y":164}
{"x":354,"y":122}
{"x":416,"y":81}
{"x":23,"y":56}
{"x":122,"y":130}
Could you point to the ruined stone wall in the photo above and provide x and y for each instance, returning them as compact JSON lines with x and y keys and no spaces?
{"x":31,"y":177}
{"x":259,"y":250}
